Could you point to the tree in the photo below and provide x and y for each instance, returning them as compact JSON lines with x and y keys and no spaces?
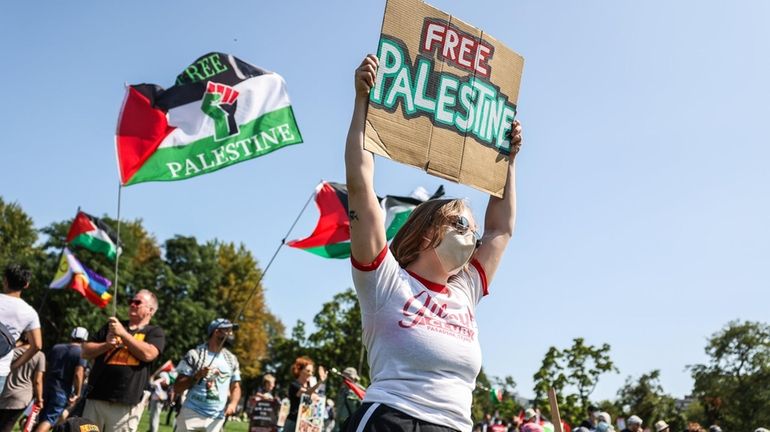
{"x":239,"y":292}
{"x":187,"y":294}
{"x":646,"y":398}
{"x":483,"y":402}
{"x":734,"y":386}
{"x":337,"y":340}
{"x":282,"y":352}
{"x":17,"y":236}
{"x":573,"y":373}
{"x":335,"y":343}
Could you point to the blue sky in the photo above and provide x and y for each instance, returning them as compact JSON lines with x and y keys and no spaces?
{"x":642,"y":183}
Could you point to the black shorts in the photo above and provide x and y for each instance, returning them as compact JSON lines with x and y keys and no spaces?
{"x":377,"y":417}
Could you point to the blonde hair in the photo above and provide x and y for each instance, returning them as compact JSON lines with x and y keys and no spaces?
{"x":422,"y":231}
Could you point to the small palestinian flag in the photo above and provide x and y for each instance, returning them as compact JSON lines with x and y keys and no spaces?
{"x":357,"y":390}
{"x":331,"y":236}
{"x":220,"y":111}
{"x":168,"y":366}
{"x":92,"y":286}
{"x":496,"y":394}
{"x":93,"y":234}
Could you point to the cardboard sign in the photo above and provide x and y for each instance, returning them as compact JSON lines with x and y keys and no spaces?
{"x":264,"y":416}
{"x":444,"y":98}
{"x":311,"y":413}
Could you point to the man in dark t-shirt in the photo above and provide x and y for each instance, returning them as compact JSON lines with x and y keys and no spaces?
{"x":63,"y":379}
{"x":123,"y":353}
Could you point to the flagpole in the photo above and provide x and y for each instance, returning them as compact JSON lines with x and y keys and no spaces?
{"x":278,"y":249}
{"x":117,"y":259}
{"x":262,"y":276}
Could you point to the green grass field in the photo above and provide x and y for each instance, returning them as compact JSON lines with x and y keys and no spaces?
{"x":144,"y":425}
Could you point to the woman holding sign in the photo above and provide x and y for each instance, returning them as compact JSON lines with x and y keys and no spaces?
{"x":418,"y":297}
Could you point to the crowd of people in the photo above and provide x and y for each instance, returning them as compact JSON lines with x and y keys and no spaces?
{"x":121,"y":353}
{"x":307,"y":385}
{"x":531,"y":420}
{"x":106,"y":377}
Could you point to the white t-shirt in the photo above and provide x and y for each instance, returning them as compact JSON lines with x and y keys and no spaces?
{"x":424,"y":352}
{"x":19,"y":317}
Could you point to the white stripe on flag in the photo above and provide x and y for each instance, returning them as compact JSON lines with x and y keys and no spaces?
{"x":258,"y":95}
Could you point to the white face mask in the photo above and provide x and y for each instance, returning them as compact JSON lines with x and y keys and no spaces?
{"x":455,"y":250}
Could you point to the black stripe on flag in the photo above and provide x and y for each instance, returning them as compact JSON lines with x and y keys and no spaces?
{"x":189,"y":89}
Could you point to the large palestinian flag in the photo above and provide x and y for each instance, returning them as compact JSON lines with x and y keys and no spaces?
{"x":331,"y":236}
{"x":220,"y":111}
{"x":93,"y":234}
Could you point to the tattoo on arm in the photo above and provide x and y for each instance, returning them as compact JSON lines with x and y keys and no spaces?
{"x":352,"y":215}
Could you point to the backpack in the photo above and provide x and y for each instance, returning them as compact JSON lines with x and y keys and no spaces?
{"x":7,"y":341}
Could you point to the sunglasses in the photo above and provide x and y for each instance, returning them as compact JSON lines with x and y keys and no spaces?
{"x":135,"y":302}
{"x":463,"y":226}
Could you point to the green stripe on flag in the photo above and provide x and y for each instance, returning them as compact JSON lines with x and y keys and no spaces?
{"x":334,"y":250}
{"x":95,"y":244}
{"x":270,"y":132}
{"x":398,"y":221}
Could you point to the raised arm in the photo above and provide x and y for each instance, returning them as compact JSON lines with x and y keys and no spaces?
{"x":500,"y":216}
{"x":367,"y":230}
{"x":322,"y":375}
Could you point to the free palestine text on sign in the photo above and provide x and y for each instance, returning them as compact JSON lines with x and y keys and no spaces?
{"x":444,"y":97}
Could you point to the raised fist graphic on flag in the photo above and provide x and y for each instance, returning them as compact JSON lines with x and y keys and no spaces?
{"x":219,"y":103}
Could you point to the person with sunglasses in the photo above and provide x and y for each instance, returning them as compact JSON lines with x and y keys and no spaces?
{"x":418,"y":298}
{"x":212,"y":375}
{"x":123,"y":352}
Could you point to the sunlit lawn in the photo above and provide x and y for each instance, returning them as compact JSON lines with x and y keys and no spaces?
{"x":144,"y":425}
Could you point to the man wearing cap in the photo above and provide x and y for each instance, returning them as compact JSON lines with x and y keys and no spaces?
{"x":633,"y":424}
{"x":347,"y":401}
{"x":64,"y":378}
{"x":123,"y":352}
{"x":213,"y":377}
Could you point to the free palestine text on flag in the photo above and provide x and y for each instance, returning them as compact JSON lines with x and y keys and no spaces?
{"x":220,"y":111}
